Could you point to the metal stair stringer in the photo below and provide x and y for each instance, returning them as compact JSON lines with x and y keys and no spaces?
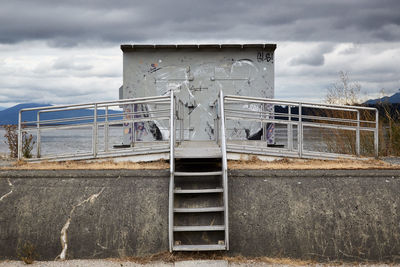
{"x":198,"y":198}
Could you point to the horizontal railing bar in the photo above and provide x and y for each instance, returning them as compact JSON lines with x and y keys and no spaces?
{"x":295,"y":115}
{"x":71,"y":119}
{"x":268,"y":120}
{"x":272,"y":102}
{"x":65,"y":126}
{"x":330,"y":126}
{"x":327,"y":154}
{"x":81,"y":118}
{"x":262,"y":120}
{"x":246,"y":148}
{"x":89,"y":107}
{"x":133,"y":120}
{"x":296,"y":103}
{"x":335,"y":119}
{"x":135,"y":113}
{"x":272,"y":151}
{"x":88,"y":125}
{"x":150,"y":150}
{"x":116,"y":102}
{"x":139,"y":102}
{"x":368,"y":129}
{"x":318,"y":125}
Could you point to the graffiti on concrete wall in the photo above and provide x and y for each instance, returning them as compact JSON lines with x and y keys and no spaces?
{"x":196,"y":78}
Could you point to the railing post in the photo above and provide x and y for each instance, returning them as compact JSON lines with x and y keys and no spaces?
{"x":106,"y":130}
{"x":182,"y":121}
{"x":217,"y":122}
{"x":178,"y":121}
{"x":38,"y":135}
{"x":376,"y":132}
{"x":358,"y":134}
{"x":19,"y":136}
{"x":172,"y":171}
{"x":94,"y":137}
{"x":134,"y":125}
{"x":215,"y":126}
{"x":300,"y":132}
{"x":290,"y":129}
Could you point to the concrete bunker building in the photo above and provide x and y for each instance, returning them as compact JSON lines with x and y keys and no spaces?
{"x":196,"y":73}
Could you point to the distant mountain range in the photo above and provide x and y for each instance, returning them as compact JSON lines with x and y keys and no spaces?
{"x":394,"y":99}
{"x":10,"y":115}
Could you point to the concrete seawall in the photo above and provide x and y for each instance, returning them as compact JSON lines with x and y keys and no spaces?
{"x":325,"y":215}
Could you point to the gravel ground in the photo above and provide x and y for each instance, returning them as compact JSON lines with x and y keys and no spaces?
{"x":5,"y":161}
{"x":80,"y":263}
{"x":197,"y":263}
{"x":392,"y":160}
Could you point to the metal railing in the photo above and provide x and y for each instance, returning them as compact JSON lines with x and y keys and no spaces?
{"x":351,"y":123}
{"x":99,"y":117}
{"x":222,"y":136}
{"x":295,"y":119}
{"x":176,"y":117}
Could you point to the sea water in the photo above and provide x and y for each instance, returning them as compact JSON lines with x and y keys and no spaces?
{"x":70,"y":141}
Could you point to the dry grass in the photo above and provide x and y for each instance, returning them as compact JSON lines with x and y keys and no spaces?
{"x":173,"y":257}
{"x":268,"y":260}
{"x":85,"y":165}
{"x":309,"y":164}
{"x":187,"y":256}
{"x":252,"y":164}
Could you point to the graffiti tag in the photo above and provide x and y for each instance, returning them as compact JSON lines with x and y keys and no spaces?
{"x":265,"y":56}
{"x":154,"y":67}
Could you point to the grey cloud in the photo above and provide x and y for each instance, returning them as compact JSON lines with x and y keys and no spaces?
{"x":70,"y":23}
{"x":61,"y":74}
{"x":350,"y":50}
{"x":313,"y":58}
{"x":70,"y":64}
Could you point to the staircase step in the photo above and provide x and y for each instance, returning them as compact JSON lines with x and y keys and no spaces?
{"x":198,"y":191}
{"x":199,"y":228}
{"x":198,"y":173}
{"x":198,"y":247}
{"x":211,"y":209}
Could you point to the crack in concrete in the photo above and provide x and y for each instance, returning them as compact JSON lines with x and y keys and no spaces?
{"x":9,"y":193}
{"x":103,"y":247}
{"x":63,"y":237}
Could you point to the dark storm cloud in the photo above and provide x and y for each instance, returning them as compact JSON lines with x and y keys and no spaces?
{"x":69,"y":23}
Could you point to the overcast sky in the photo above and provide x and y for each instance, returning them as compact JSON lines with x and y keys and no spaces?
{"x":68,"y":51}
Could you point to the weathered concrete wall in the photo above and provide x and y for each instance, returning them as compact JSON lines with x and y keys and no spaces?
{"x":348,"y":215}
{"x":112,"y":213}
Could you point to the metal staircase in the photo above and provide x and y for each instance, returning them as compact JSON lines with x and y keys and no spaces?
{"x":198,"y":194}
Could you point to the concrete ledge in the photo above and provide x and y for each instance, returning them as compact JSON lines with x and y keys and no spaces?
{"x":315,"y":173}
{"x":82,"y":173}
{"x":349,"y":215}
